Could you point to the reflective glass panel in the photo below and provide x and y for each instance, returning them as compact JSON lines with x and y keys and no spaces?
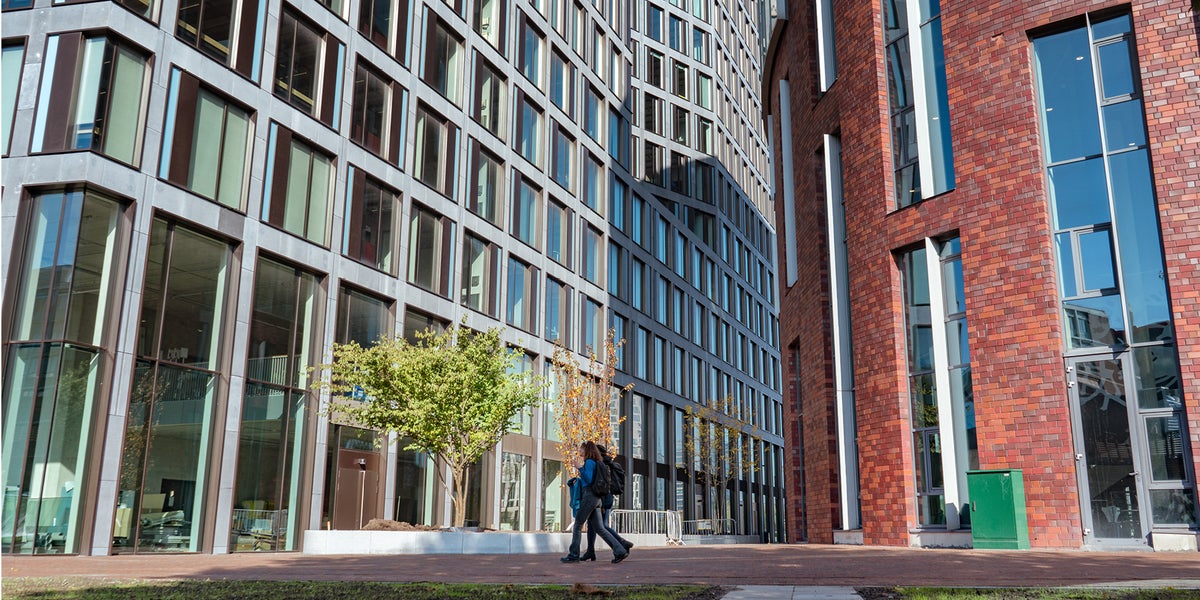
{"x":1166,"y":447}
{"x":1110,"y":469}
{"x":1123,"y":125}
{"x":1096,"y":258}
{"x":1079,"y":194}
{"x":1173,"y":507}
{"x":1092,"y":322}
{"x":1141,"y":247}
{"x":1157,"y":376}
{"x":1064,"y":74}
{"x":1116,"y":72}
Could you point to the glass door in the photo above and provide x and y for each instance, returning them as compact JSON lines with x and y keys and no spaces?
{"x":1110,"y":487}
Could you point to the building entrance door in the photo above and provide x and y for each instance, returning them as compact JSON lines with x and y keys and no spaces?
{"x":1108,"y":465}
{"x":356,"y":467}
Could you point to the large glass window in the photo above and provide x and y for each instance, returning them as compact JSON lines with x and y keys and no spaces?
{"x":523,"y":287}
{"x":486,"y":191}
{"x":491,"y":98}
{"x":489,"y":20}
{"x":385,"y":23}
{"x":593,"y":240}
{"x":562,"y":82}
{"x":377,"y":112}
{"x":480,"y":275}
{"x":430,"y":254}
{"x":927,"y":442}
{"x":299,"y":186}
{"x":276,"y":409}
{"x":562,"y":158}
{"x":93,"y":97}
{"x":208,"y":148}
{"x":443,"y":60}
{"x":529,"y":53}
{"x":435,"y":151}
{"x":371,"y":211}
{"x":163,"y":479}
{"x":308,"y":67}
{"x":591,"y":320}
{"x":559,"y":229}
{"x":1112,"y":280}
{"x":514,"y":491}
{"x":526,"y":211}
{"x":68,"y":276}
{"x":14,"y":58}
{"x":558,"y":311}
{"x":211,"y":26}
{"x":528,"y":140}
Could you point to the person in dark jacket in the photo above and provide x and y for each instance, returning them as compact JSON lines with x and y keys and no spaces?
{"x":606,"y":505}
{"x":589,"y":508}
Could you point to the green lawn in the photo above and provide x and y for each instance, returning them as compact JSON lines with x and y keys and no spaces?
{"x":84,"y":589}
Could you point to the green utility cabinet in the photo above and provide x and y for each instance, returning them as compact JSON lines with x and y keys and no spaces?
{"x":998,"y":518}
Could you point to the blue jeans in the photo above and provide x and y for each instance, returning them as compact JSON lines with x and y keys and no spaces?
{"x":605,"y":507}
{"x":590,"y":512}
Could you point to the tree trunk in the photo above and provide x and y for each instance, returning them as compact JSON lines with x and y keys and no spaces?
{"x":459,"y":497}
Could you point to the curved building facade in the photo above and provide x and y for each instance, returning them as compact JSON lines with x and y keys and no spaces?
{"x":987,"y":245}
{"x":199,"y":198}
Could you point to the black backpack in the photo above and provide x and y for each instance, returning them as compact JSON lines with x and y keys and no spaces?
{"x":601,"y":479}
{"x":617,"y":482}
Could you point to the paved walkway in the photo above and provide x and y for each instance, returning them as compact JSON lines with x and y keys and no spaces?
{"x":796,"y":572}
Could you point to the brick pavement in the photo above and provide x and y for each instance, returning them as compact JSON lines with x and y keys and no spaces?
{"x":733,"y":565}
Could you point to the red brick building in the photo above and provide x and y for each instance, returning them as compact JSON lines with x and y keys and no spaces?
{"x":988,"y":222}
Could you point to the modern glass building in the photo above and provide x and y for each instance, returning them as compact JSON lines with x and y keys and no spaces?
{"x":998,"y":210}
{"x":200,"y":197}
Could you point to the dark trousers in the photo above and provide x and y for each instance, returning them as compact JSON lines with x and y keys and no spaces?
{"x":590,"y":512}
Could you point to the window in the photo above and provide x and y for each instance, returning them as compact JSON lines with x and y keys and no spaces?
{"x":443,"y":59}
{"x":597,"y":52}
{"x":562,"y":82}
{"x":308,"y":67}
{"x":558,"y":311}
{"x":297,"y":192}
{"x":616,"y":270}
{"x":378,"y":113}
{"x":652,"y":163}
{"x":618,"y":137}
{"x":591,"y":113}
{"x":826,"y":56}
{"x":526,"y":208}
{"x":370,"y":221}
{"x":489,"y":21}
{"x":592,"y":321}
{"x":416,"y":322}
{"x":638,"y":287}
{"x":430,"y":240}
{"x":70,"y":271}
{"x":679,"y":79}
{"x":593,"y":241}
{"x":559,"y":230}
{"x":704,"y":91}
{"x":652,"y":114}
{"x":491,"y":98}
{"x":337,"y":7}
{"x":699,"y":45}
{"x":704,"y":135}
{"x":480,"y":274}
{"x":922,"y":160}
{"x":14,"y":58}
{"x":210,"y":26}
{"x":276,"y":406}
{"x":677,"y":34}
{"x":654,"y":68}
{"x":523,"y":287}
{"x":654,"y":17}
{"x":207,"y":150}
{"x":562,"y":158}
{"x":528,"y":141}
{"x":529,"y":55}
{"x":435,"y":151}
{"x":679,"y":125}
{"x":679,"y":174}
{"x":385,"y":23}
{"x":593,"y":183}
{"x":487,"y":184}
{"x":94,"y":97}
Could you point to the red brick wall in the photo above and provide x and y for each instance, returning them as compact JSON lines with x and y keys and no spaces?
{"x":1000,"y":211}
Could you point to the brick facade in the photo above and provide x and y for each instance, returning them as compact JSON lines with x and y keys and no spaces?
{"x":1000,"y":212}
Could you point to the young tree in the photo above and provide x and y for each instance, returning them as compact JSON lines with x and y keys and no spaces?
{"x":585,"y":397}
{"x":721,"y":445}
{"x":453,"y":394}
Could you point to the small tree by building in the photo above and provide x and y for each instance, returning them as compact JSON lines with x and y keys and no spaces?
{"x":453,"y":394}
{"x":720,"y":445}
{"x":585,"y":397}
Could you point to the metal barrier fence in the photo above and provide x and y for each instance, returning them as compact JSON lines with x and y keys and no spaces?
{"x":661,"y":522}
{"x":260,"y":529}
{"x":710,"y":527}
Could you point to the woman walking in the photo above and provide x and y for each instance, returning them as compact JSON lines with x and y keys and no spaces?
{"x":589,"y":508}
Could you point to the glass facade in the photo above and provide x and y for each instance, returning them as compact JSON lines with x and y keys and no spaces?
{"x":323,"y":221}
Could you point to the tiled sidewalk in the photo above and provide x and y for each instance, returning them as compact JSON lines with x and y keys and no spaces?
{"x":733,"y":566}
